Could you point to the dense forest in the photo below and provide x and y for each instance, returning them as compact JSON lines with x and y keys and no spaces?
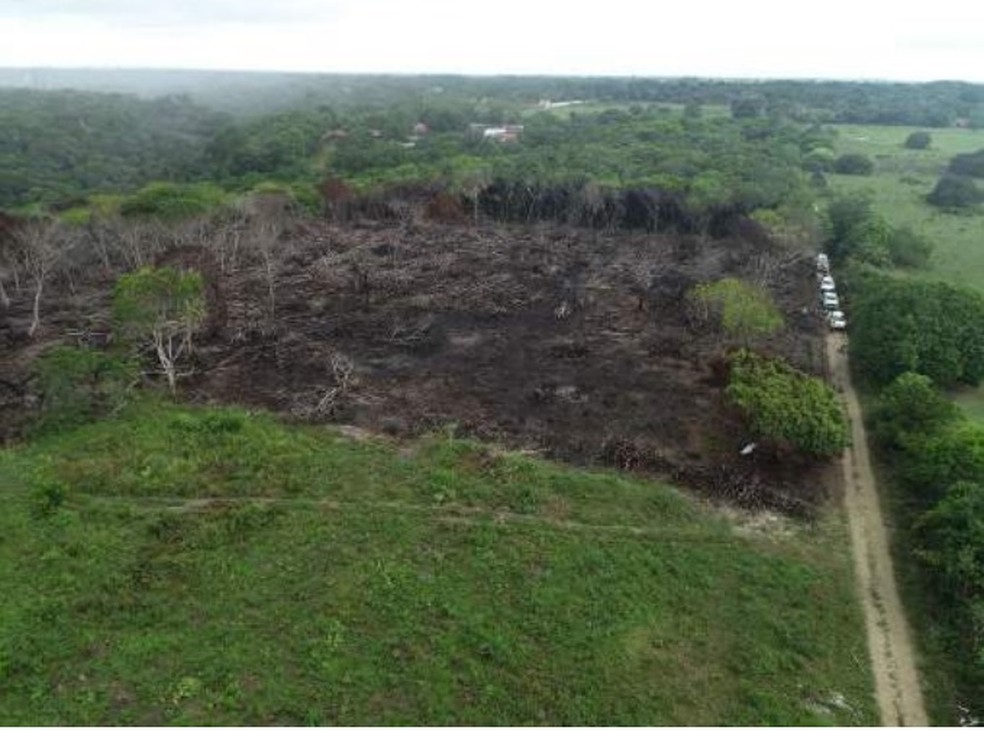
{"x":59,"y":147}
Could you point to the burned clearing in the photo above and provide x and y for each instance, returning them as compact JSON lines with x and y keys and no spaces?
{"x":572,"y":342}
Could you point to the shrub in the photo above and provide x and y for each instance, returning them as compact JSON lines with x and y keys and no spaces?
{"x":854,"y":164}
{"x":786,"y":406}
{"x":907,"y":249}
{"x":918,"y":141}
{"x":955,"y":191}
{"x":79,"y":385}
{"x":970,"y":163}
{"x":744,"y":310}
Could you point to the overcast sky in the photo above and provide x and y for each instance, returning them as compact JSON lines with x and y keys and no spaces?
{"x":870,"y":39}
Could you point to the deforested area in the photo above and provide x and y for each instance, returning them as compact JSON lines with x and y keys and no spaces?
{"x":432,"y":400}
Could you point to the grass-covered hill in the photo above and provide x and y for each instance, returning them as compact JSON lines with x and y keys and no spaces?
{"x":177,"y":565}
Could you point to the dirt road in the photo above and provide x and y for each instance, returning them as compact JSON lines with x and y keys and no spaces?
{"x":899,"y":695}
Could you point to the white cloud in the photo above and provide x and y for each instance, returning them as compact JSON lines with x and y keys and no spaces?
{"x":758,"y":38}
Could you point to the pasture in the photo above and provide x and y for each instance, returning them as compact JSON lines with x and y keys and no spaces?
{"x":207,"y":566}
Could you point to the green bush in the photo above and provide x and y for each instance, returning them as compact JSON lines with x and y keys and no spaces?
{"x":787,"y":407}
{"x":955,"y":191}
{"x":744,"y":310}
{"x":918,"y":141}
{"x":79,"y":385}
{"x":854,"y":164}
{"x":172,"y":201}
{"x":908,"y":249}
{"x":47,"y":496}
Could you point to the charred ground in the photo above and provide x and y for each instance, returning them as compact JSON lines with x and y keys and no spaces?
{"x":569,"y":341}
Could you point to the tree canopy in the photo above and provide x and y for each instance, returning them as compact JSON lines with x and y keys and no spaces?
{"x":786,"y":406}
{"x":932,"y":328}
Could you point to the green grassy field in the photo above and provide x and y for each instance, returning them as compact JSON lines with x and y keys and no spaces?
{"x":901,"y":181}
{"x":215,"y":567}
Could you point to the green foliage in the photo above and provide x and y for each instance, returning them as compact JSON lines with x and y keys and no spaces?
{"x":951,"y":538}
{"x":79,"y":385}
{"x":927,"y":327}
{"x":854,"y":230}
{"x":341,"y":582}
{"x":955,"y":191}
{"x":911,"y":406}
{"x":854,"y":164}
{"x":929,"y":464}
{"x":745,"y":310}
{"x":172,"y":201}
{"x":970,"y":164}
{"x":908,"y":249}
{"x":161,"y":298}
{"x":786,"y":406}
{"x":47,"y":496}
{"x":75,"y":217}
{"x":161,"y":307}
{"x":62,"y":145}
{"x":918,"y":141}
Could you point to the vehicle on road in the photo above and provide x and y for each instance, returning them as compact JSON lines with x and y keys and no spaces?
{"x":827,"y":284}
{"x":829,"y":301}
{"x":823,"y":263}
{"x":836,"y":320}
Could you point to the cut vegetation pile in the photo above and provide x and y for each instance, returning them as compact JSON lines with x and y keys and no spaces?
{"x":214,"y":567}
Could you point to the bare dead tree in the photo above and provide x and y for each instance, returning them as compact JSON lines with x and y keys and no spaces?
{"x":268,"y":215}
{"x":341,"y":368}
{"x":40,"y":246}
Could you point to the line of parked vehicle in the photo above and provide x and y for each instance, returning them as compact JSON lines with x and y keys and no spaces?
{"x":829,"y":300}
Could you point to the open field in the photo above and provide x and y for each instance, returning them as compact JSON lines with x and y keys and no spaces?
{"x":901,"y":181}
{"x":212,"y":566}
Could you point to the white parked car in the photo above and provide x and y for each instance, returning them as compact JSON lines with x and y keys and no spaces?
{"x":823,"y":263}
{"x":827,"y":284}
{"x":829,"y":301}
{"x":837,"y":320}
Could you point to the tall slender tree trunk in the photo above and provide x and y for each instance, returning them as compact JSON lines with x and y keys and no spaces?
{"x":36,"y":311}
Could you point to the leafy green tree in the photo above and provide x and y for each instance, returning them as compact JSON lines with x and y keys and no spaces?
{"x":918,"y":141}
{"x":933,"y":328}
{"x":162,"y":306}
{"x":743,"y":310}
{"x":929,"y":464}
{"x":786,"y":406}
{"x":911,"y":406}
{"x":952,"y":536}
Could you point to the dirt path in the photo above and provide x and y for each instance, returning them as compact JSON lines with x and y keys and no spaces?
{"x":897,"y":689}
